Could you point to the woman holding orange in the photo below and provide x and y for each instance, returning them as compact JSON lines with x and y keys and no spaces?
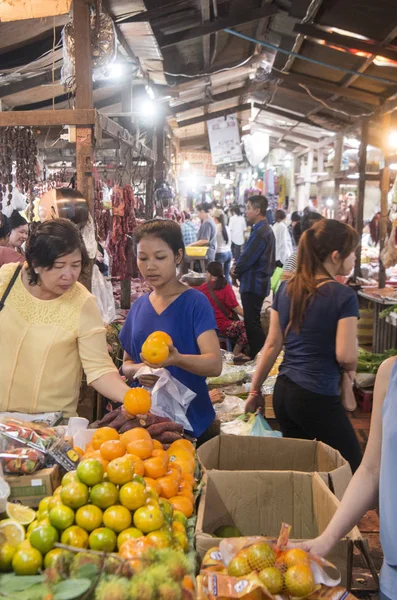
{"x":184,"y":314}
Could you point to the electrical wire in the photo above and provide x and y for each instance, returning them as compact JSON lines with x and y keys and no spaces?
{"x":337,"y":110}
{"x":209,"y":74}
{"x":307,"y":59}
{"x":308,"y":18}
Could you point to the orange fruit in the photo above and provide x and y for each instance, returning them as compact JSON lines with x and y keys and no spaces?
{"x":155,"y":351}
{"x":133,"y":495}
{"x":98,"y":456}
{"x":183,"y":504}
{"x":183,"y":445}
{"x":148,"y":518}
{"x":299,"y":581}
{"x":175,"y":470}
{"x":161,"y":538}
{"x":101,"y":435}
{"x":138,"y":433}
{"x":272,"y":578}
{"x":169,"y":486}
{"x":79,"y":451}
{"x":153,"y":484}
{"x":90,"y":471}
{"x":295,"y":556}
{"x":162,"y":336}
{"x":117,"y":518}
{"x":157,"y":445}
{"x":112,"y":449}
{"x":189,"y":479}
{"x":188,"y":584}
{"x":120,"y":470}
{"x":89,"y":517}
{"x":186,"y":466}
{"x":89,"y":448}
{"x":155,"y":467}
{"x":141,"y":448}
{"x":137,"y":463}
{"x":137,"y":401}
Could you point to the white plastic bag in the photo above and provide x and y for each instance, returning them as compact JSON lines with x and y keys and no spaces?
{"x":103,"y":292}
{"x":170,"y":398}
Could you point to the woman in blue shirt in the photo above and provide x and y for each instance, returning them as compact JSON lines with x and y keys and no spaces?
{"x":315,"y":318}
{"x":185,"y":314}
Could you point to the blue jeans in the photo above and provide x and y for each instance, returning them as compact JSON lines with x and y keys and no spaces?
{"x":226,"y":259}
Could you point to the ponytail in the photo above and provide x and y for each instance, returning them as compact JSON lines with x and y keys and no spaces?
{"x":222,"y":220}
{"x":316,"y":244}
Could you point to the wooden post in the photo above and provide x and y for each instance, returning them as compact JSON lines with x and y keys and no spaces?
{"x":308,"y":175}
{"x":384,"y":191}
{"x":338,"y":153}
{"x":126,"y":155}
{"x":84,"y":98}
{"x":159,"y":166}
{"x":362,"y":167}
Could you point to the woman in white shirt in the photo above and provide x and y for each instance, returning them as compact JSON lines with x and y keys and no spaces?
{"x":283,"y":239}
{"x":223,"y":243}
{"x":237,"y":226}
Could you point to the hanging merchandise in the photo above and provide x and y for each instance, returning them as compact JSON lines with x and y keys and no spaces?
{"x":102,"y":206}
{"x":17,"y":144}
{"x":103,"y":45}
{"x":123,"y":225}
{"x":256,"y":146}
{"x":224,"y":140}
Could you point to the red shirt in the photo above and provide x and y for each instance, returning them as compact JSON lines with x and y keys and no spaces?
{"x":228,"y":299}
{"x":8,"y":255}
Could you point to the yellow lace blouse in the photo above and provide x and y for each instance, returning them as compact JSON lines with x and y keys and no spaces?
{"x":45,"y":344}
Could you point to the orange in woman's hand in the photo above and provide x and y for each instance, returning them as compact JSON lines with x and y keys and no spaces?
{"x":162,"y":336}
{"x":155,"y":351}
{"x":137,"y":401}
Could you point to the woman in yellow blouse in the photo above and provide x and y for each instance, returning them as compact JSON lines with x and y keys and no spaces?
{"x":51,"y":328}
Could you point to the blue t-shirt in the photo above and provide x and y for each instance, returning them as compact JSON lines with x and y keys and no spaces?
{"x":310,"y":356}
{"x":184,"y":320}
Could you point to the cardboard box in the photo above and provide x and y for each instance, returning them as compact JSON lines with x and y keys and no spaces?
{"x":258,"y":502}
{"x":30,"y":489}
{"x":247,"y":453}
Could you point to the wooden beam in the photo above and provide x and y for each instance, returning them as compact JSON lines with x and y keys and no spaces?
{"x":346,"y":41}
{"x":384,"y":208}
{"x":326,"y":86}
{"x":47,"y":118}
{"x":218,"y":25}
{"x":362,"y":165}
{"x":206,"y":41}
{"x":114,"y":130}
{"x":28,"y":83}
{"x":201,"y":102}
{"x":32,"y":9}
{"x":287,"y":115}
{"x":213,"y":115}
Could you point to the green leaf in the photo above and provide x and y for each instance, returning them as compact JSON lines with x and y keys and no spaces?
{"x":19,"y":583}
{"x":71,"y":588}
{"x":88,"y":572}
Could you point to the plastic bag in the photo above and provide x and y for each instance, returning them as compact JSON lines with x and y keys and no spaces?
{"x":261,"y":428}
{"x":18,"y":459}
{"x":32,"y":435}
{"x":170,"y":398}
{"x":103,"y":292}
{"x":276,"y":279}
{"x":4,"y":492}
{"x":89,"y":239}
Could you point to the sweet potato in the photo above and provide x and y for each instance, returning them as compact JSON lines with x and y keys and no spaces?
{"x":168,"y":437}
{"x":159,"y":428}
{"x":130,"y":424}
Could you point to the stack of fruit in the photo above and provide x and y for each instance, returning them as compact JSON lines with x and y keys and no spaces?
{"x":114,"y":496}
{"x":269,"y":571}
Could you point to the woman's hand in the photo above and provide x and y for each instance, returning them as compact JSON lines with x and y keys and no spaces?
{"x":148,"y":381}
{"x":172,"y":360}
{"x":255,"y":401}
{"x":319,"y":546}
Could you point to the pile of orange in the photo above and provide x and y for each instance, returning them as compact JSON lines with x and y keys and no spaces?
{"x":155,"y":349}
{"x":170,"y":473}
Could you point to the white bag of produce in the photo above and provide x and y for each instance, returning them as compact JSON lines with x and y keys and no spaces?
{"x":170,"y":398}
{"x":103,"y":292}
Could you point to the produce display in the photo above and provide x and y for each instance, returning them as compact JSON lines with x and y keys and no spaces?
{"x":370,"y":363}
{"x":258,"y":568}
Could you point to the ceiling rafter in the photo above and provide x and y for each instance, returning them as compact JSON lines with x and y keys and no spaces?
{"x":209,"y":27}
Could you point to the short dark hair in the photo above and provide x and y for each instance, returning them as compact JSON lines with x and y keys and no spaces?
{"x":215,"y":269}
{"x":51,"y":240}
{"x":279,"y":215}
{"x":309,"y":219}
{"x":205,"y":206}
{"x":260,"y":202}
{"x":16,"y":220}
{"x":164,"y":229}
{"x":296,"y":217}
{"x":187,"y":215}
{"x":5,"y":228}
{"x":297,"y":232}
{"x":236,"y":210}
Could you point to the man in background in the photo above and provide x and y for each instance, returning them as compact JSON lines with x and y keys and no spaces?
{"x":206,"y":235}
{"x":254,"y":270}
{"x":189,"y":230}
